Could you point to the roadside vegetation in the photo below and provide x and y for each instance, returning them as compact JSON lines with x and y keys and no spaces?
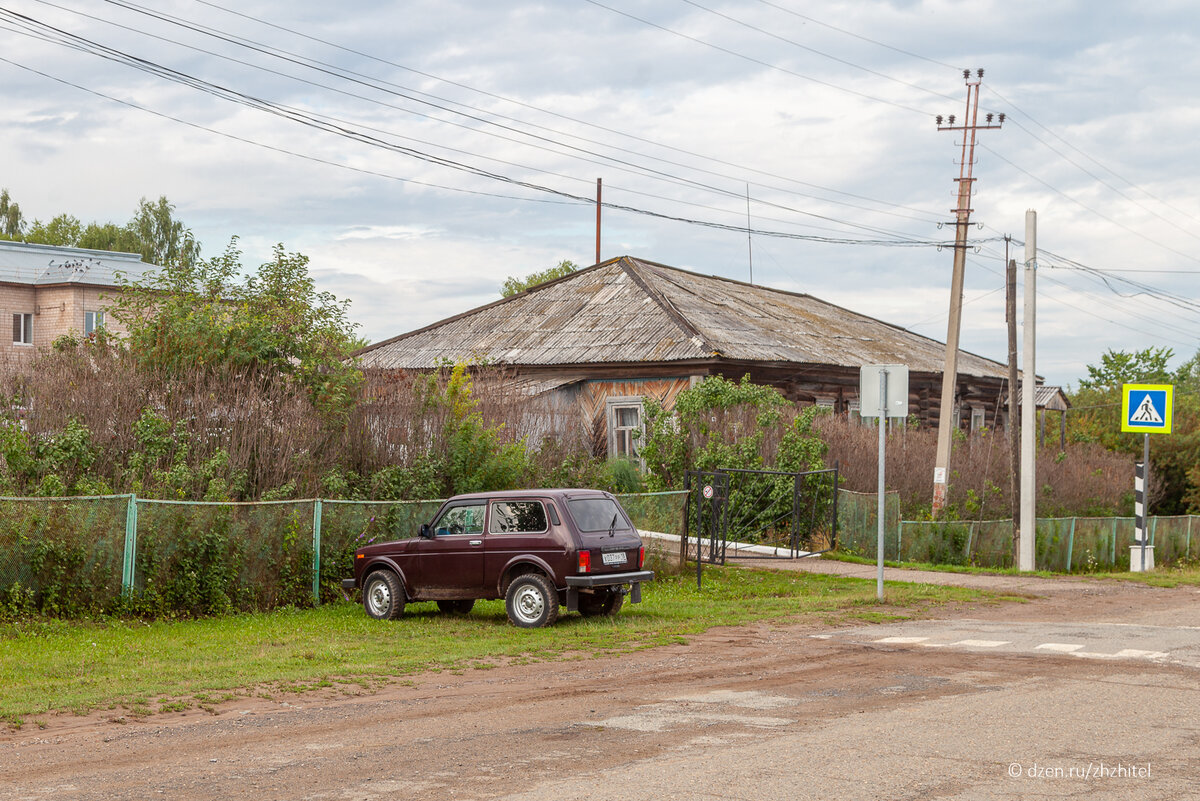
{"x":130,"y":668}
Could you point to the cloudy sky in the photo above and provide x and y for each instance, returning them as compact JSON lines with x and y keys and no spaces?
{"x":421,"y":152}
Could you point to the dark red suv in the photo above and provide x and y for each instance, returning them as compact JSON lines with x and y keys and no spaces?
{"x":536,"y":549}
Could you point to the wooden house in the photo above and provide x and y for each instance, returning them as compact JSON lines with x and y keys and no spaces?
{"x":605,"y":337}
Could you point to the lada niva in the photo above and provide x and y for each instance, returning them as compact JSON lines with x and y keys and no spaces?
{"x":536,"y":549}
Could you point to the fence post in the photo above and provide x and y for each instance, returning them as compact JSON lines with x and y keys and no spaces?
{"x":316,"y":565}
{"x":1187,"y":554}
{"x":129,"y":558}
{"x":1071,"y":544}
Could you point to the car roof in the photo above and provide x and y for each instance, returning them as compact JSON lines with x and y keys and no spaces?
{"x":534,"y":493}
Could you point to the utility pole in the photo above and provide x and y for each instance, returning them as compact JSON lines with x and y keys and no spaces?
{"x":946,"y":418}
{"x":1014,"y":413}
{"x":598,"y":206}
{"x":1029,"y":400}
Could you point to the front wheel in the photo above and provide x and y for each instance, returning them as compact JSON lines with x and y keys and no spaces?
{"x":602,"y":603}
{"x":531,"y":601}
{"x":383,"y":597}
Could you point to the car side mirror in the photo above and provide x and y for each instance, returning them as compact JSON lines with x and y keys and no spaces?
{"x":426,"y":532}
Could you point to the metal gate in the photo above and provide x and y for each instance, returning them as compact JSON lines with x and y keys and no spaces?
{"x":760,"y":514}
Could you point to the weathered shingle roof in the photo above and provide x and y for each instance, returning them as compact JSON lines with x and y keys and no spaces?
{"x":629,"y":310}
{"x":23,"y":263}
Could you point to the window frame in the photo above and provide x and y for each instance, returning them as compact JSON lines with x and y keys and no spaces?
{"x":625,"y":434}
{"x":25,"y":321}
{"x":97,"y":321}
{"x":494,"y":516}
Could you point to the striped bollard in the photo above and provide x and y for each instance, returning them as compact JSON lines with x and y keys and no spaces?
{"x":1141,"y":553}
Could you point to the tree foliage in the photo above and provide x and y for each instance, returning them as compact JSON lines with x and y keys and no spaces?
{"x":725,"y":424}
{"x":1095,"y":416}
{"x":12,"y":222}
{"x":153,"y":232}
{"x":515,"y":285}
{"x":271,"y":324}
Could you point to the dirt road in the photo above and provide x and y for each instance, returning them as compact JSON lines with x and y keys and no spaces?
{"x":770,"y":711}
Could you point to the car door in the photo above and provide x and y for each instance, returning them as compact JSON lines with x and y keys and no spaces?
{"x":519,"y":528}
{"x":450,"y":563}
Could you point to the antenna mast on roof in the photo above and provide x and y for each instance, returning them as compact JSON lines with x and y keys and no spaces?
{"x":947,"y":418}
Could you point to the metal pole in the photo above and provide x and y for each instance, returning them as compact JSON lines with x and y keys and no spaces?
{"x":883,"y":406}
{"x":316,"y":542}
{"x":1028,"y":531}
{"x":1145,"y":496}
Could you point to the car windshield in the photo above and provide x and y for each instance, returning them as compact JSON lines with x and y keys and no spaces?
{"x":596,"y":514}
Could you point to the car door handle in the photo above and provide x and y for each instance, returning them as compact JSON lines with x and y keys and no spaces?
{"x":476,"y":542}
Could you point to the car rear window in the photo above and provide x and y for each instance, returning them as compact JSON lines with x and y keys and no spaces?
{"x":518,"y":516}
{"x":596,"y":514}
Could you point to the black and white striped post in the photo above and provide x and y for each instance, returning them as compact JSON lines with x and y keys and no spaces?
{"x":1141,"y":535}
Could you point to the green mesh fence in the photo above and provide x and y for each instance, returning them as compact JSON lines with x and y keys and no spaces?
{"x":63,"y":556}
{"x":656,"y":511}
{"x":347,"y":526}
{"x":119,"y":554}
{"x":858,"y":527}
{"x":212,"y":558}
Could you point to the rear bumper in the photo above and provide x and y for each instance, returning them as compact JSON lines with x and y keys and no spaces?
{"x":589,"y":581}
{"x":609,"y":579}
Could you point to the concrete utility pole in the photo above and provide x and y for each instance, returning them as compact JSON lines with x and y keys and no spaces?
{"x":946,"y":417}
{"x":1029,"y":400}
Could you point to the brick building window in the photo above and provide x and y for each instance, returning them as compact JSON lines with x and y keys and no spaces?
{"x":23,"y":329}
{"x":91,"y":321}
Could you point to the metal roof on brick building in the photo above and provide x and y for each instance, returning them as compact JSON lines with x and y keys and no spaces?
{"x":41,"y":265}
{"x":628,"y":310}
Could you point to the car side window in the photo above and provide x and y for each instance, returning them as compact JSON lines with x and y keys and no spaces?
{"x":511,"y":517}
{"x":466,"y":519}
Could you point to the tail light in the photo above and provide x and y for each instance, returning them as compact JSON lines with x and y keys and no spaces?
{"x":641,"y":557}
{"x":585,"y":561}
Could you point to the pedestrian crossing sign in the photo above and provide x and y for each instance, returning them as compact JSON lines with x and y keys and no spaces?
{"x":1146,"y":408}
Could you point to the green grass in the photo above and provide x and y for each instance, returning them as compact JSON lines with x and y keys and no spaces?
{"x":138,"y":668}
{"x":986,"y":571}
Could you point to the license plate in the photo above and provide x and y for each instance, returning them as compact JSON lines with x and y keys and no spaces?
{"x":615,"y":558}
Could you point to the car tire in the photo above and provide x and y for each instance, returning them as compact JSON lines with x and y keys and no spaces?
{"x":382,"y":595}
{"x":531,"y":601}
{"x":456,"y":607}
{"x":604,"y":603}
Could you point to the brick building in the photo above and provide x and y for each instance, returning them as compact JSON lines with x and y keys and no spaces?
{"x":48,"y":291}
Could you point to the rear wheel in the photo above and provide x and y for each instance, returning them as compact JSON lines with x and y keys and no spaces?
{"x":531,"y":601}
{"x":601,"y":603}
{"x":456,"y":607}
{"x":383,"y":597}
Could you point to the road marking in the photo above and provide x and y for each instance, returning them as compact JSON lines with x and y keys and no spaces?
{"x":981,"y":643}
{"x":1134,"y":653}
{"x":1063,"y":647}
{"x":903,"y":640}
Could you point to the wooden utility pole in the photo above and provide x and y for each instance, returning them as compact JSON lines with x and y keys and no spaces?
{"x":947,"y":419}
{"x":599,"y":186}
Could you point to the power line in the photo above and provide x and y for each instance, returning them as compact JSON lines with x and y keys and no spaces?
{"x":754,"y":60}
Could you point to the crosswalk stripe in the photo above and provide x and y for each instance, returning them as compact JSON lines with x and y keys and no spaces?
{"x":1064,"y":647}
{"x":982,"y":643}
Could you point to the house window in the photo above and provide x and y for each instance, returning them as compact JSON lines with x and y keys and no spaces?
{"x":977,"y":419}
{"x":91,"y":321}
{"x":624,"y":427}
{"x":23,"y":329}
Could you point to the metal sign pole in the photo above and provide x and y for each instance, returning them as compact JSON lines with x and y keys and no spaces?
{"x":1144,"y":533}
